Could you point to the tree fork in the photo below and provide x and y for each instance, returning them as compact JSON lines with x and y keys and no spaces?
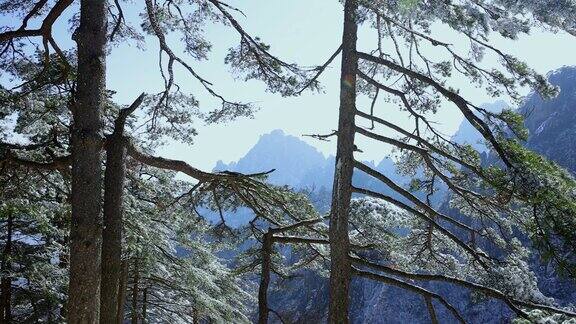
{"x":340,"y":269}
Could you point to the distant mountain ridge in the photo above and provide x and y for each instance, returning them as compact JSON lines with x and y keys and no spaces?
{"x":296,"y":163}
{"x":552,"y":123}
{"x":291,"y":158}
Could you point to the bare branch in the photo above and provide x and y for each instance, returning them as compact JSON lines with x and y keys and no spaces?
{"x":413,"y":288}
{"x":455,"y":98}
{"x":45,"y":29}
{"x":511,"y":302}
{"x":320,"y":70}
{"x":124,"y":113}
{"x":168,"y":164}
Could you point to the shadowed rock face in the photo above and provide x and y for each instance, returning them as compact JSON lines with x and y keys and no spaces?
{"x":552,"y":127}
{"x":552,"y":123}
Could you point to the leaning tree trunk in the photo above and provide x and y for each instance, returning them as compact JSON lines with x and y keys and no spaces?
{"x":340,"y":270}
{"x":112,"y":233}
{"x":113,"y":216}
{"x":86,"y":142}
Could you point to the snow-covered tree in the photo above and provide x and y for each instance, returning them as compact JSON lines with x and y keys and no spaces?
{"x":34,"y":62}
{"x":171,"y":271}
{"x":33,"y":222}
{"x":413,"y":68}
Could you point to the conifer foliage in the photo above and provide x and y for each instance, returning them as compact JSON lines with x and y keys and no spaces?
{"x":64,"y":113}
{"x":95,"y":227}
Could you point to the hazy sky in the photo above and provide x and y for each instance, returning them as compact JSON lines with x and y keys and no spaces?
{"x":302,"y":31}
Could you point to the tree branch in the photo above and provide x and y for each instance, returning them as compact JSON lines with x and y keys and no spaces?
{"x":511,"y":302}
{"x":475,"y":254}
{"x":413,"y":288}
{"x":455,"y":98}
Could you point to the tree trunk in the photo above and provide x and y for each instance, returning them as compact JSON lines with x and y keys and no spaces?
{"x":86,"y":142}
{"x":144,"y":304}
{"x":135,"y":293}
{"x":61,"y":224}
{"x":340,"y":270}
{"x":431,"y":310}
{"x":6,"y":282}
{"x":112,"y":232}
{"x":196,"y":319}
{"x":264,"y":279}
{"x":123,"y":285}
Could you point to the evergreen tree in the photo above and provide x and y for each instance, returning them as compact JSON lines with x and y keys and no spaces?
{"x":34,"y":225}
{"x":79,"y":77}
{"x":155,"y":257}
{"x":521,"y":191}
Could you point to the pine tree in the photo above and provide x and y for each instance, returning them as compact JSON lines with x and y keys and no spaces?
{"x":160,"y":262}
{"x":79,"y":76}
{"x":499,"y":199}
{"x":34,"y":230}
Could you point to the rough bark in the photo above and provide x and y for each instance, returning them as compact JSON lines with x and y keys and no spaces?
{"x":112,"y":233}
{"x":340,"y":270}
{"x":123,"y":285}
{"x":6,"y":282}
{"x":86,"y":224}
{"x":263,"y":311}
{"x":114,"y":178}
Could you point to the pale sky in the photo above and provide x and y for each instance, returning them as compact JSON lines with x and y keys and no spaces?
{"x":302,"y":31}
